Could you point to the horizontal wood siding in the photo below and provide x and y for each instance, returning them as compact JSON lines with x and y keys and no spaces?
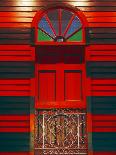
{"x":101,"y":70}
{"x":101,"y":16}
{"x":17,"y":70}
{"x":14,"y":142}
{"x":16,"y":103}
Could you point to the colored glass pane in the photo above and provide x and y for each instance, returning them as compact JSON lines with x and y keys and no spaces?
{"x":53,"y":16}
{"x":43,"y":37}
{"x":43,"y":24}
{"x":76,"y":37}
{"x":76,"y":24}
{"x":66,"y":16}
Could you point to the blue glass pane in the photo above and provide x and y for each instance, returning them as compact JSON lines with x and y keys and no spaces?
{"x":53,"y":16}
{"x":76,"y":24}
{"x":43,"y":24}
{"x":66,"y":16}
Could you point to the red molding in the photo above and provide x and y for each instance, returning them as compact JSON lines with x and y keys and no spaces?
{"x":14,"y":129}
{"x":14,"y":117}
{"x":104,"y":153}
{"x":15,"y":153}
{"x":41,"y":13}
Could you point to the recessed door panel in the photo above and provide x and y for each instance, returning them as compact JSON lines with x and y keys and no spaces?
{"x":73,"y":86}
{"x":46,"y":86}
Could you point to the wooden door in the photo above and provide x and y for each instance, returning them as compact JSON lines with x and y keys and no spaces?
{"x":61,"y":76}
{"x":60,"y":101}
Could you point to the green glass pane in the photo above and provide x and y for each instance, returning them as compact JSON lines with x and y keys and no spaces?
{"x":43,"y":37}
{"x":76,"y":37}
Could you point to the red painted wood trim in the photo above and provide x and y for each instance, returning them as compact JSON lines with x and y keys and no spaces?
{"x":14,"y":129}
{"x":13,"y":124}
{"x":104,"y":153}
{"x":103,"y":93}
{"x":89,"y":123}
{"x":16,"y":47}
{"x":14,"y":153}
{"x":15,"y":93}
{"x":14,"y":117}
{"x":18,"y":14}
{"x":104,"y":124}
{"x":103,"y":81}
{"x":15,"y":82}
{"x":102,"y":20}
{"x":104,"y":129}
{"x":99,"y":14}
{"x":101,"y":55}
{"x":16,"y":58}
{"x":17,"y":53}
{"x":102,"y":24}
{"x":77,"y":12}
{"x":14,"y":88}
{"x":104,"y":117}
{"x":15,"y":20}
{"x":101,"y":47}
{"x":15,"y":25}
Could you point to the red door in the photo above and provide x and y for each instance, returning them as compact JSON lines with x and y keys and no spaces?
{"x":60,"y":83}
{"x":60,"y":77}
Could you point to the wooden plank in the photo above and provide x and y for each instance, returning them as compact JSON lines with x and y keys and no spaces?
{"x":14,"y":42}
{"x":100,"y":14}
{"x":104,"y":153}
{"x":17,"y":25}
{"x":102,"y":41}
{"x":109,"y":124}
{"x":103,"y":88}
{"x":103,"y":81}
{"x":102,"y":30}
{"x":40,"y":3}
{"x":104,"y":129}
{"x":102,"y":24}
{"x":34,"y":9}
{"x":15,"y":36}
{"x":101,"y":20}
{"x":30,"y":14}
{"x":15,"y":19}
{"x":20,"y":130}
{"x":14,"y":153}
{"x":104,"y":117}
{"x":13,"y":124}
{"x":103,"y":35}
{"x":101,"y":47}
{"x":16,"y":47}
{"x":15,"y":30}
{"x":14,"y":117}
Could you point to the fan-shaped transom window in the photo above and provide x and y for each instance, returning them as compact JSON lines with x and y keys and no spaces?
{"x":60,"y":25}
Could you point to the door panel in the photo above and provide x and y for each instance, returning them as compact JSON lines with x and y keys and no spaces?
{"x":60,"y":78}
{"x":60,"y":116}
{"x":73,"y":86}
{"x":47,"y":87}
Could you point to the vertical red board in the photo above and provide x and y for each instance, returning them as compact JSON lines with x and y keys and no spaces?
{"x":73,"y":86}
{"x":46,"y":86}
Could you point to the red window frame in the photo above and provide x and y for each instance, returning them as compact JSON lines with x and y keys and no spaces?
{"x":77,"y":12}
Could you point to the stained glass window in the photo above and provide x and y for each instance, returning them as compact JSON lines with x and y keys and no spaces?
{"x":60,"y":25}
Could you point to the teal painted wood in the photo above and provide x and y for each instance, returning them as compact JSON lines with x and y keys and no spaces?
{"x":102,"y":104}
{"x":101,"y":69}
{"x":104,"y":141}
{"x":16,"y":70}
{"x":16,"y":105}
{"x":10,"y":142}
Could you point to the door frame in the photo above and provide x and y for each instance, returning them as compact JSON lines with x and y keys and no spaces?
{"x":33,"y":81}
